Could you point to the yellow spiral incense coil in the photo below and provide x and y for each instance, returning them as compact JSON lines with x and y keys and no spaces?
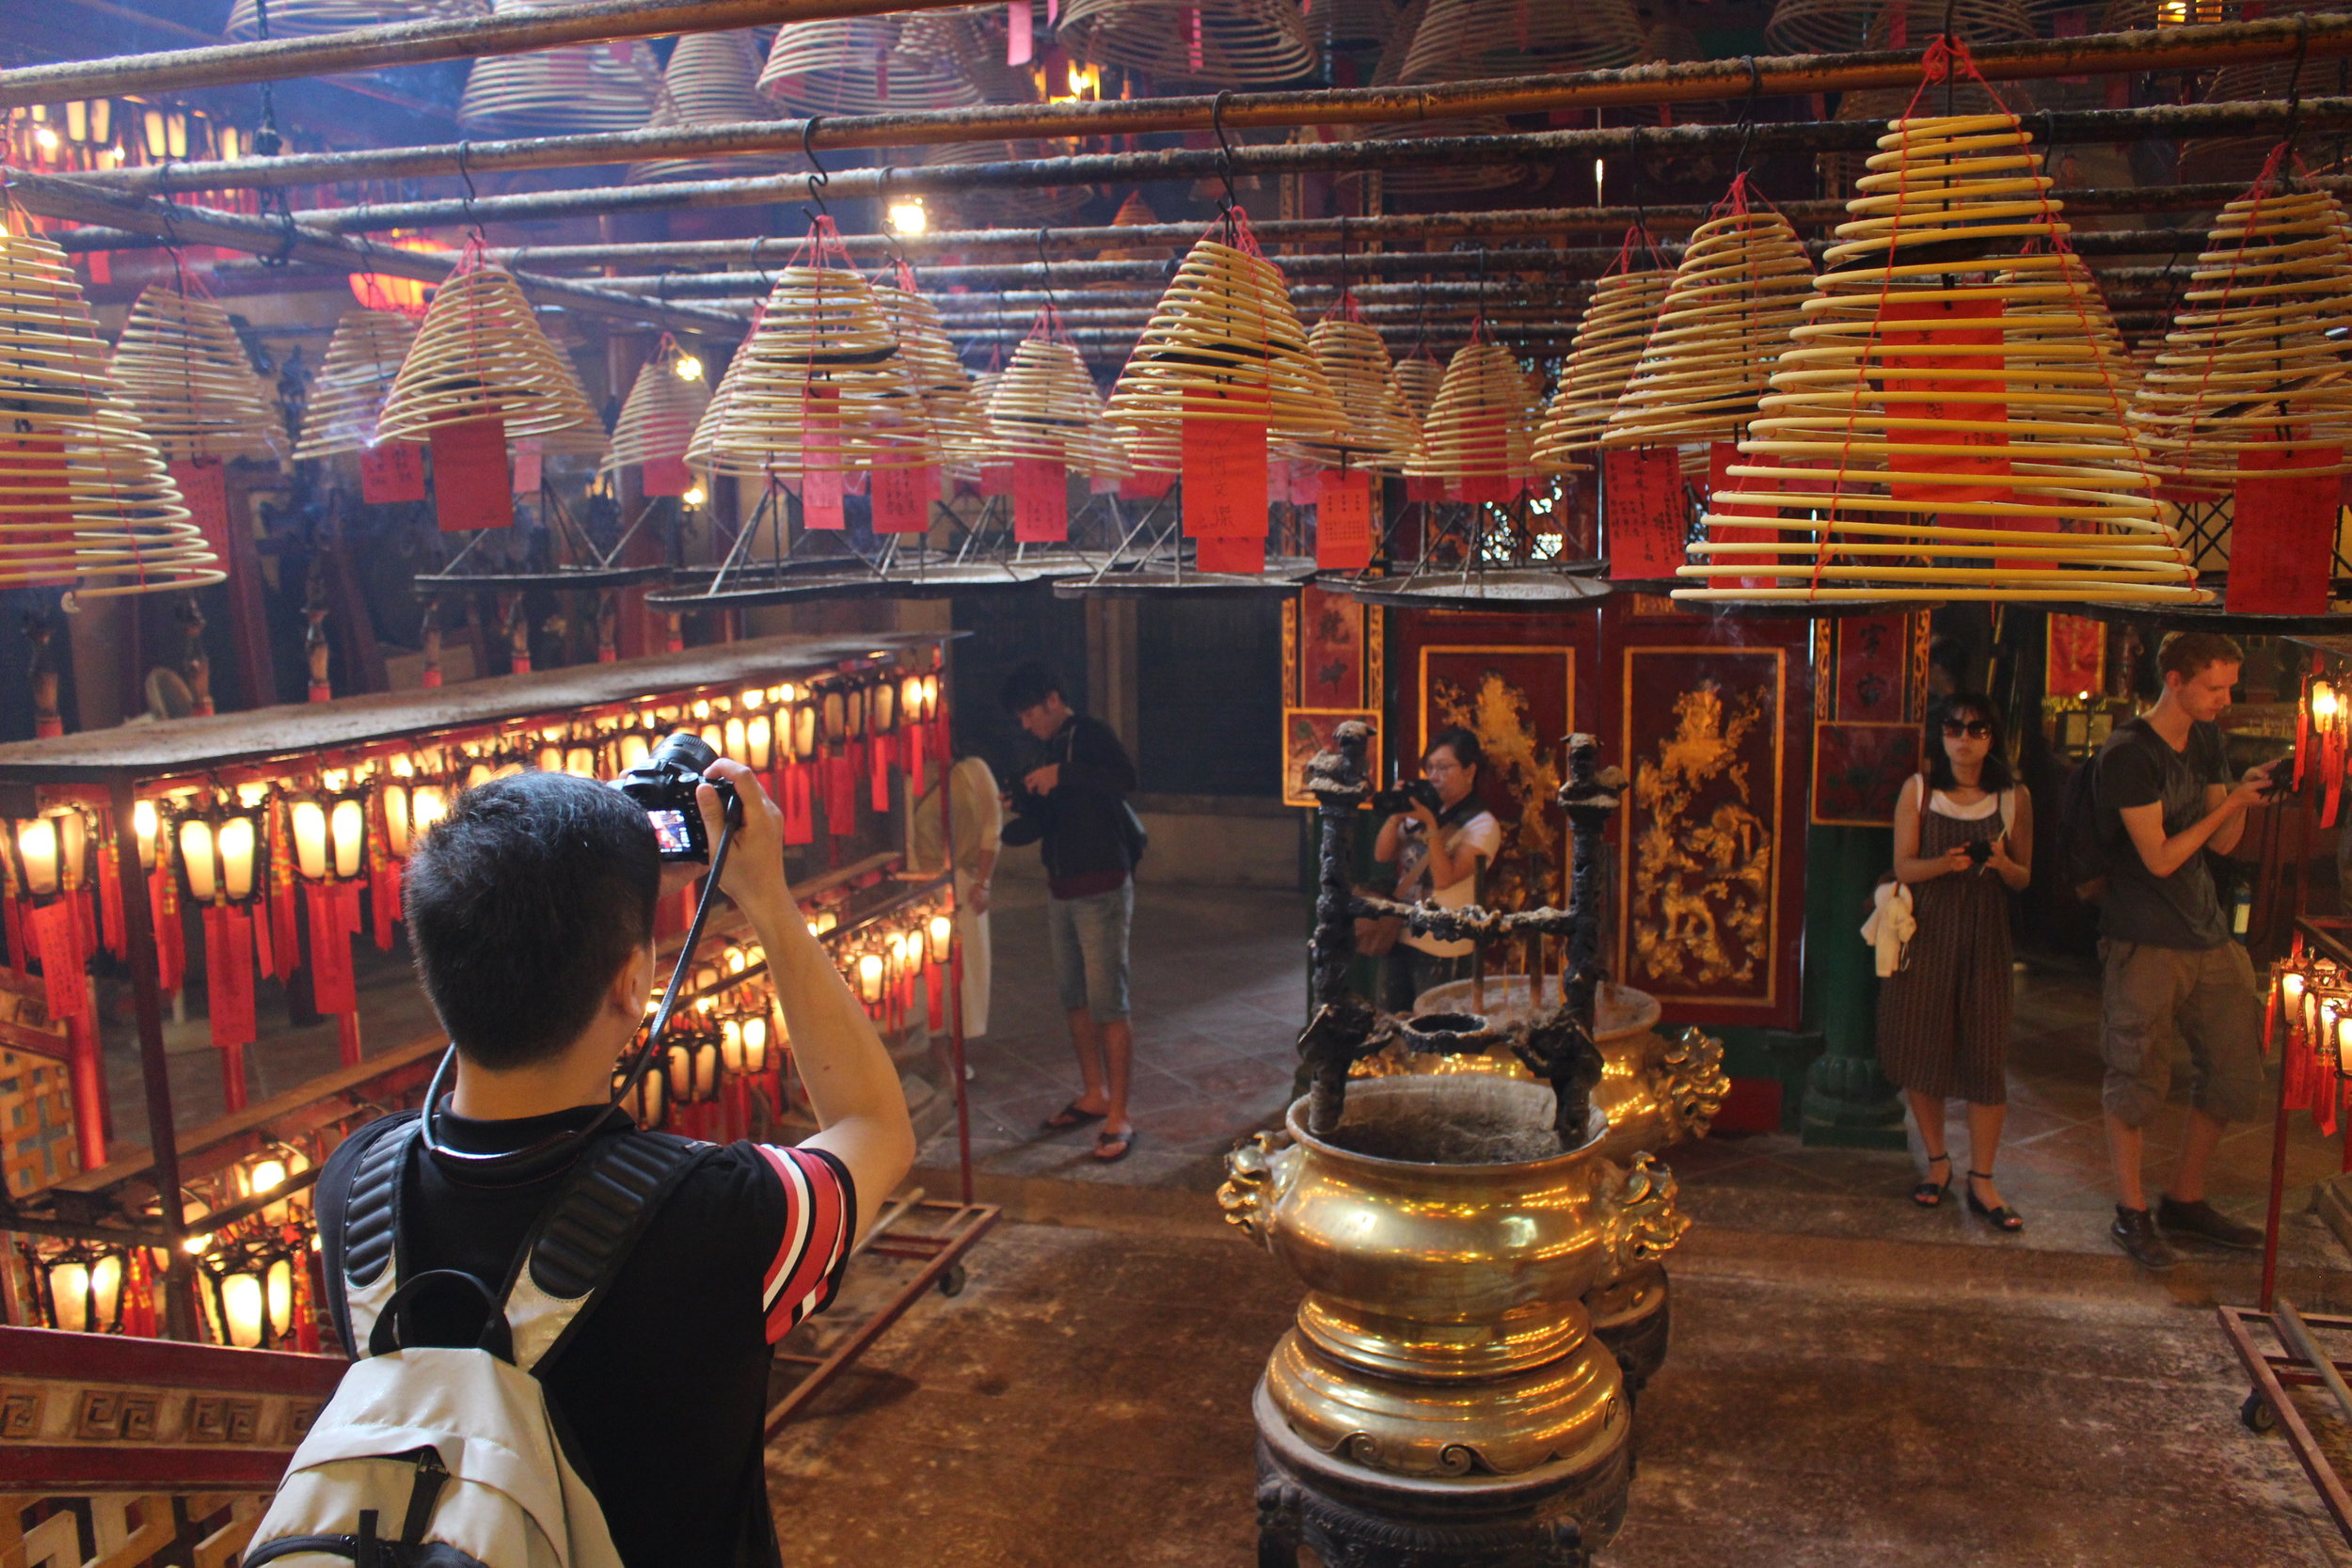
{"x":1943,"y":423}
{"x":354,"y":377}
{"x":660,"y":415}
{"x":1482,"y":426}
{"x":1224,"y":43}
{"x":712,"y":79}
{"x":1379,"y":430}
{"x":181,"y":364}
{"x":1224,"y":343}
{"x":482,"y":353}
{"x":1601,"y":358}
{"x":958,"y":419}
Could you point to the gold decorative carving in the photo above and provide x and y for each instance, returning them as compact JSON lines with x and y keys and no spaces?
{"x":1695,"y":880}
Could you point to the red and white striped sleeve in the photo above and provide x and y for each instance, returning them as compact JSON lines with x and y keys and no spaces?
{"x":818,"y":1207}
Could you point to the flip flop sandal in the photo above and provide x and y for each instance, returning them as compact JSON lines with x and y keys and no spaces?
{"x":1071,"y":1116}
{"x":1124,"y":1141}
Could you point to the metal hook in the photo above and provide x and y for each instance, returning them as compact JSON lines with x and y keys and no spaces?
{"x":1045,"y":277}
{"x":1747,"y":116}
{"x":818,"y":179}
{"x":465,"y":151}
{"x":1224,"y":148}
{"x":2295,"y":83}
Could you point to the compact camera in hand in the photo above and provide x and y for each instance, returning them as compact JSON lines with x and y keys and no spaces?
{"x":1980,"y":851}
{"x":664,"y":786}
{"x":1405,"y":797}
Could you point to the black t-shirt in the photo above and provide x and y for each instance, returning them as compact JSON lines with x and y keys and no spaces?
{"x":663,"y":1389}
{"x":2138,"y":768}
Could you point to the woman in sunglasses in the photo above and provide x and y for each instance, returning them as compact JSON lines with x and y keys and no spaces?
{"x":1964,"y":843}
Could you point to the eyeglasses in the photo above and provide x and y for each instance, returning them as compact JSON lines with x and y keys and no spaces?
{"x":1975,"y":729}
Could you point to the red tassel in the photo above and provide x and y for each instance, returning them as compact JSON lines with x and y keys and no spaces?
{"x":2294,"y":1084}
{"x":19,"y":954}
{"x":171,"y":950}
{"x":383,"y":891}
{"x":139,"y":1297}
{"x":800,"y":808}
{"x":879,"y":771}
{"x":285,"y":939}
{"x":58,"y":945}
{"x":117,"y":933}
{"x":841,"y":794}
{"x":935,"y":996}
{"x":229,"y":974}
{"x":331,"y":988}
{"x":2329,"y":1091}
{"x":263,"y":945}
{"x":84,"y":923}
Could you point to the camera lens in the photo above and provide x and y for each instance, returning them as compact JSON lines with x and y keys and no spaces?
{"x":688,"y":751}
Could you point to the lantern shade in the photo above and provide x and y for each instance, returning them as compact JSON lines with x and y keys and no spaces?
{"x":480,"y":355}
{"x":356,"y":376}
{"x":181,"y":365}
{"x":1871,"y":463}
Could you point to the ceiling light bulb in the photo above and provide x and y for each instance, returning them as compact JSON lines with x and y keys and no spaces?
{"x":908,"y":217}
{"x":688,"y":367}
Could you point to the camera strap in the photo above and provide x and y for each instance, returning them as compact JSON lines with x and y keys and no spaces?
{"x":646,"y":1054}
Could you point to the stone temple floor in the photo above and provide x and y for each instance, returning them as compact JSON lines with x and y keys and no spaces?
{"x":1852,"y":1379}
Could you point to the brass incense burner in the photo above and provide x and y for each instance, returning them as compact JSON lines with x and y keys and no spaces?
{"x":1450,"y":1192}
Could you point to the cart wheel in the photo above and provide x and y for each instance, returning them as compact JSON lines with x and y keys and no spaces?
{"x":2257,"y":1414}
{"x":951,"y":1283}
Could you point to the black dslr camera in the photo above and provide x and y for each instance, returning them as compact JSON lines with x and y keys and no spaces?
{"x":664,"y":786}
{"x":1395,"y":802}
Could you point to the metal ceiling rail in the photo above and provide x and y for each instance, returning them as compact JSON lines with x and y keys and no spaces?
{"x":2255,"y":117}
{"x":2186,"y":48}
{"x":416,"y":43}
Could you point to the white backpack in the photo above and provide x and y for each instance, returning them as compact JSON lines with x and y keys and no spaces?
{"x":433,"y":1457}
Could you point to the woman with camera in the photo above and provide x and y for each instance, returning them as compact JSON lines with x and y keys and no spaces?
{"x":1437,"y":841}
{"x":1963,"y":844}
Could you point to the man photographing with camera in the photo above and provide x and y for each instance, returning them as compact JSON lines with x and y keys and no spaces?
{"x":530,"y":912}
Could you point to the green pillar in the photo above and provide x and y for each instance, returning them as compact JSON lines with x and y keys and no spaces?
{"x":1848,"y":1101}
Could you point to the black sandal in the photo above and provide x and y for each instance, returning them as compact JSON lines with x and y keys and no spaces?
{"x":2001,"y":1218}
{"x":1927,"y":1195}
{"x":1068,"y":1117}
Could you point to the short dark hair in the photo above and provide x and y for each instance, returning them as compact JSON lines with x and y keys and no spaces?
{"x":2185,"y":653}
{"x":1029,"y":685}
{"x":1937,"y":762}
{"x":1458,"y":740}
{"x":522,"y":904}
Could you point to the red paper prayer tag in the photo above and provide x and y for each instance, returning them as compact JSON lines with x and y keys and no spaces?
{"x":1144,"y":485}
{"x":390,"y":473}
{"x":1423,"y":487}
{"x":995,"y":479}
{"x":470,"y":488}
{"x":37,"y":462}
{"x":666,"y":476}
{"x":902,"y":499}
{"x":1647,"y":519}
{"x":204,"y":485}
{"x":1224,"y":467}
{"x":2282,"y":533}
{"x":1214,"y":554}
{"x":530,"y":464}
{"x":820,"y":498}
{"x":1959,"y":376}
{"x":1343,"y":521}
{"x":1041,"y":501}
{"x":1019,"y":43}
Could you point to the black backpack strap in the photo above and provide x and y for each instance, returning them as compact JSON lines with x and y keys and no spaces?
{"x":581,"y":1243}
{"x":370,"y":1252}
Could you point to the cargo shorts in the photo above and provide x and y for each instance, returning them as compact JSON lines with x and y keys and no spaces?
{"x":2156,"y":1004}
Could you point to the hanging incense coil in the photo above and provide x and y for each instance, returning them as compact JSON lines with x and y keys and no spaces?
{"x":1458,"y":39}
{"x":1842,"y":27}
{"x":2254,"y":367}
{"x":1726,"y":315}
{"x":1601,"y":359}
{"x":862,"y":65}
{"x":1216,"y":43}
{"x":959,"y":419}
{"x":579,"y":88}
{"x":661,"y":411}
{"x":85,"y":499}
{"x":1379,"y":430}
{"x":712,"y":79}
{"x":818,"y":386}
{"x":1134,"y":212}
{"x":1935,"y":428}
{"x":1101,"y":454}
{"x":181,"y":364}
{"x":1418,"y":376}
{"x":2236,"y":160}
{"x":1224,"y":343}
{"x":1357,"y":23}
{"x":307,"y":18}
{"x":362,"y":361}
{"x":1482,"y":428}
{"x":480,"y":355}
{"x":1045,"y":407}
